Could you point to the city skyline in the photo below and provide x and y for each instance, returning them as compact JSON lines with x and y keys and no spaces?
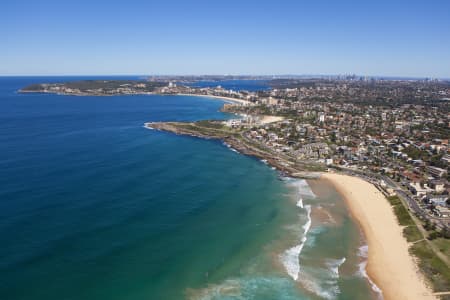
{"x":404,"y":39}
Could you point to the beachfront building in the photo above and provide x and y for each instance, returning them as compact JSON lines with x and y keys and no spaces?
{"x":436,"y":172}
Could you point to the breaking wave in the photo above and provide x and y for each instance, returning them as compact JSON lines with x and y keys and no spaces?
{"x":333,"y":265}
{"x":303,"y":188}
{"x":323,"y":282}
{"x":229,"y":147}
{"x":363,"y":252}
{"x":290,"y":258}
{"x":248,"y":287}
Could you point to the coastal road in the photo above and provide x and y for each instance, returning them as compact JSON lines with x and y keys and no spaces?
{"x":403,"y":195}
{"x":413,"y":207}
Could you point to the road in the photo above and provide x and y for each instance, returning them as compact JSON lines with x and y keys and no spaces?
{"x":403,"y":195}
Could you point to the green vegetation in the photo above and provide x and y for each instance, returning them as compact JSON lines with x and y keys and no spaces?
{"x":433,"y":160}
{"x":211,"y":124}
{"x":430,"y":263}
{"x":217,"y":130}
{"x":434,"y":234}
{"x":110,"y":84}
{"x":429,"y":226}
{"x":433,"y":267}
{"x":400,"y":211}
{"x":213,"y":129}
{"x":97,"y":86}
{"x":403,"y":216}
{"x":394,"y":200}
{"x":415,"y":153}
{"x":186,"y":126}
{"x":412,"y":234}
{"x":443,"y":245}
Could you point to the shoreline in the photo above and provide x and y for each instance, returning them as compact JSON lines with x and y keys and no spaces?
{"x":303,"y":170}
{"x":226,"y":99}
{"x":389,"y":265}
{"x":229,"y":99}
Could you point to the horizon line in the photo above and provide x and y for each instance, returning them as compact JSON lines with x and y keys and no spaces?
{"x":227,"y":75}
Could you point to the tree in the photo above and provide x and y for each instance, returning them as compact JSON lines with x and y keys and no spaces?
{"x":445,"y":233}
{"x":433,"y":235}
{"x":333,"y":137}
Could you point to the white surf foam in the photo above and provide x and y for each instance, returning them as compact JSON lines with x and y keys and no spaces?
{"x":325,"y":290}
{"x":300,"y":202}
{"x":246,"y":287}
{"x":323,"y":282}
{"x":229,"y":147}
{"x":290,"y":258}
{"x":334,"y":265}
{"x":303,"y":188}
{"x":331,"y":219}
{"x":307,"y":226}
{"x":363,"y":252}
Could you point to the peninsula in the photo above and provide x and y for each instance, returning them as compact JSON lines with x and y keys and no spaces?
{"x":95,"y":87}
{"x":390,"y":133}
{"x":241,"y":142}
{"x":381,"y":140}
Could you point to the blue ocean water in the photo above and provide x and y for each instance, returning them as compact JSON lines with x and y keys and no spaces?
{"x":95,"y":206}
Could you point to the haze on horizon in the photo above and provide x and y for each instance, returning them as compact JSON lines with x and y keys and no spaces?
{"x":378,"y":38}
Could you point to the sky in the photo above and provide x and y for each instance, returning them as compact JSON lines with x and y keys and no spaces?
{"x":89,"y":37}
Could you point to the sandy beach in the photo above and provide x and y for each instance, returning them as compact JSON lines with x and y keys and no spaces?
{"x":271,"y":119}
{"x":240,"y":101}
{"x":389,"y":265}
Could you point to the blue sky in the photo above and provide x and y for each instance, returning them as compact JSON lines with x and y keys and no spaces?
{"x":390,"y":38}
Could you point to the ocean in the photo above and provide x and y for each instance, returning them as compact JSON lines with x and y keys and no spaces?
{"x":95,"y":206}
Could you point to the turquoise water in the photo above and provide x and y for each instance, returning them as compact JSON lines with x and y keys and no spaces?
{"x":94,"y":206}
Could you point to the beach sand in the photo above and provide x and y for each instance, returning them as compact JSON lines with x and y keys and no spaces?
{"x":264,"y":120}
{"x":271,"y":119}
{"x":229,"y":99}
{"x":389,"y":265}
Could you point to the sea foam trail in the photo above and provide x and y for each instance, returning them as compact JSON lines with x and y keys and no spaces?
{"x":314,"y":287}
{"x":229,"y":147}
{"x":363,"y":253}
{"x":245,"y":287}
{"x":334,"y":266}
{"x":290,"y":258}
{"x":323,"y":282}
{"x":303,"y":188}
{"x":300,"y":202}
